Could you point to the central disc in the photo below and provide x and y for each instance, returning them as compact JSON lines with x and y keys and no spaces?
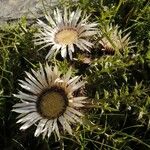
{"x":52,"y":103}
{"x":66,"y":36}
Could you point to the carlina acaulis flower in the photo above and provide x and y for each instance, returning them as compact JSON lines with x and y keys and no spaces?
{"x":48,"y":101}
{"x":64,"y":32}
{"x":113,"y":40}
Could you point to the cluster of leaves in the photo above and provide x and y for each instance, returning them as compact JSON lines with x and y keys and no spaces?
{"x":118,"y":108}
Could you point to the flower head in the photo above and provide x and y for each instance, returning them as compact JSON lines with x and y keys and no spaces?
{"x":48,"y":99}
{"x":65,"y":31}
{"x":113,"y":39}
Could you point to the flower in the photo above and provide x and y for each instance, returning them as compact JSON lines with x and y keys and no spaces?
{"x":64,"y":31}
{"x":48,"y":99}
{"x":114,"y":40}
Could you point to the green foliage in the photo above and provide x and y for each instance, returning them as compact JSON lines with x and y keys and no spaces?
{"x":117,"y":113}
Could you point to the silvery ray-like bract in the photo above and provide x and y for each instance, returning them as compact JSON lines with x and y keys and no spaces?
{"x":64,"y":32}
{"x":115,"y":39}
{"x":47,"y":100}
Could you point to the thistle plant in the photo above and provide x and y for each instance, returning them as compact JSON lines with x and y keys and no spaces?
{"x":63,"y":103}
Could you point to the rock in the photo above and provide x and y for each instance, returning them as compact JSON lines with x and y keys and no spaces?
{"x":11,"y":10}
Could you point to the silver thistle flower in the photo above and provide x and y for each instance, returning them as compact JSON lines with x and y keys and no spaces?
{"x":49,"y":99}
{"x":65,"y":30}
